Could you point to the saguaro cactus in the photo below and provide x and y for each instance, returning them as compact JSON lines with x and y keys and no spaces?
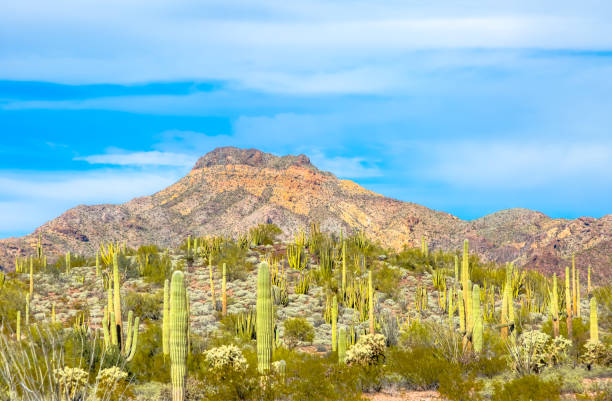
{"x":341,"y":345}
{"x":371,"y":302}
{"x":334,"y":324}
{"x":574,"y":290}
{"x":166,"y":319}
{"x":31,"y":279}
{"x":213,"y":298}
{"x":117,"y":301}
{"x":554,"y":307}
{"x":465,"y":279}
{"x":178,"y":335}
{"x":343,"y":269}
{"x":461,"y":306}
{"x":224,"y":291}
{"x":265,"y":325}
{"x":568,"y":303}
{"x":589,"y":281}
{"x":578,"y":293}
{"x":594,"y":327}
{"x":67,"y":261}
{"x":477,"y":335}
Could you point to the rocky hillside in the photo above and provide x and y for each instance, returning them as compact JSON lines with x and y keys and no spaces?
{"x":230,"y":190}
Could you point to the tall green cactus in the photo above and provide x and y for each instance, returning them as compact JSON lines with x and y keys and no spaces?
{"x":578,"y":293}
{"x":18,"y":329}
{"x":589,"y":281}
{"x":341,"y":345}
{"x":594,"y":327}
{"x":424,"y":248}
{"x":117,"y":302}
{"x":465,"y":283}
{"x":224,"y":291}
{"x":166,"y":319}
{"x":334,"y":324}
{"x":343,"y":269}
{"x":554,"y":307}
{"x":213,"y":298}
{"x":461,"y":306}
{"x":178,"y":335}
{"x":568,"y":303}
{"x":31,"y":279}
{"x":370,"y":302}
{"x":68,"y":262}
{"x":265,"y":325}
{"x":27,"y":312}
{"x":574,"y":290}
{"x":477,"y":334}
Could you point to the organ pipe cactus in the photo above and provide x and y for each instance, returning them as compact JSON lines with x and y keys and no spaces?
{"x":370,"y":302}
{"x":166,"y":319}
{"x":343,"y":269}
{"x":477,"y":334}
{"x":224,"y":291}
{"x":461,"y":311}
{"x":593,"y":327}
{"x":178,"y":335}
{"x":264,"y":322}
{"x":578,"y":294}
{"x":334,"y":324}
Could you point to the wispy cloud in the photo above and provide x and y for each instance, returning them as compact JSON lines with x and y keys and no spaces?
{"x":151,"y":158}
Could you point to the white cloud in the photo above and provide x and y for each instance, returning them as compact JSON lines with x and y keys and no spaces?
{"x":317,"y":47}
{"x":345,"y":167}
{"x":151,"y":158}
{"x":28,"y":199}
{"x":516,"y":165}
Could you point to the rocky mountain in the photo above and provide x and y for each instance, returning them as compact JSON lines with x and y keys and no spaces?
{"x":230,"y":190}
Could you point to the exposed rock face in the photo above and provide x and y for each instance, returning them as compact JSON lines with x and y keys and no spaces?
{"x":230,"y":190}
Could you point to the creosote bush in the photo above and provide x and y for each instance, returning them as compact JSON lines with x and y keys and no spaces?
{"x":527,"y":388}
{"x":297,"y":330}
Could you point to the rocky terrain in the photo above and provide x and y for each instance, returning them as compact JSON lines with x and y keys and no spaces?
{"x":230,"y":190}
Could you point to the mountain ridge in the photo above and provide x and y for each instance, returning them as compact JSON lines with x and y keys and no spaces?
{"x":230,"y":189}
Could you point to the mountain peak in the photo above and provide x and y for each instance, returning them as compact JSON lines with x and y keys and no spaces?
{"x":229,"y":155}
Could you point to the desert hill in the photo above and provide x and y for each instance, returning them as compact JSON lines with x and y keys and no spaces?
{"x":231,"y":189}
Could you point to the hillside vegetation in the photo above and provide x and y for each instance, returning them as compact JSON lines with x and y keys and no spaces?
{"x":320,"y":317}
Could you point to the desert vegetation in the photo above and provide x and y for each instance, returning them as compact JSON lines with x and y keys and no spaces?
{"x":325,"y":316}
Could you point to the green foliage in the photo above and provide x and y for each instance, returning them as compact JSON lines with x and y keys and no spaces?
{"x":149,"y":364}
{"x":147,"y":306}
{"x":527,"y":388}
{"x":386,"y":280}
{"x":12,"y":299}
{"x":158,"y":268}
{"x":423,"y":375}
{"x":459,"y":386}
{"x":233,"y":256}
{"x":296,"y":330}
{"x":264,"y":234}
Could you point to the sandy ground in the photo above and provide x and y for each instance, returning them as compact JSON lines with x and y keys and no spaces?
{"x":406,"y":396}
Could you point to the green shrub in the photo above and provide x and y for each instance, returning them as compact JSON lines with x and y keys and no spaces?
{"x":458,"y":386}
{"x":527,"y":388}
{"x":147,"y":306}
{"x":386,"y":280}
{"x":297,"y":330}
{"x":149,"y":363}
{"x":264,"y":234}
{"x":419,"y":367}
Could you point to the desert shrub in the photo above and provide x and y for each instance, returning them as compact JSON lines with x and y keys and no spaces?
{"x":411,"y":259}
{"x":72,"y":382}
{"x":233,"y":256}
{"x":536,"y":350}
{"x":12,"y":299}
{"x":297,"y":330}
{"x":147,"y":306}
{"x":264,"y":234}
{"x":369,"y":350}
{"x":386,"y":280}
{"x":459,"y":386}
{"x":224,"y":359}
{"x":149,"y":363}
{"x":596,"y":354}
{"x":527,"y":388}
{"x":158,"y":268}
{"x":421,"y":375}
{"x":389,"y":328}
{"x":112,"y":384}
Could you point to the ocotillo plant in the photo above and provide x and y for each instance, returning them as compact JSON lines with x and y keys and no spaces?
{"x":334,"y":324}
{"x":166,"y":320}
{"x":341,"y":345}
{"x":593,"y":327}
{"x":477,"y":333}
{"x":370,"y":302}
{"x":264,"y":322}
{"x":568,"y":303}
{"x":178,"y":335}
{"x":224,"y":291}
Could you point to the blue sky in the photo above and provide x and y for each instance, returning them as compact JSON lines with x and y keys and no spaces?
{"x":469,"y":107}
